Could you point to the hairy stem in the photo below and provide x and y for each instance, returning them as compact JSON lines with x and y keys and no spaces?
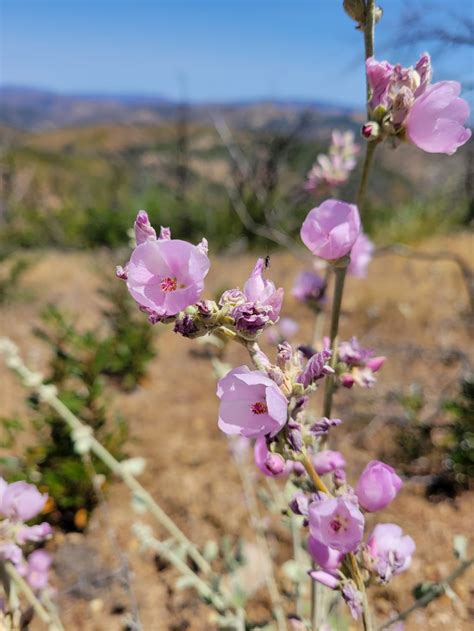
{"x":314,"y":477}
{"x":19,"y":582}
{"x":340,"y":273}
{"x":359,"y":581}
{"x":143,"y":534}
{"x":48,"y":395}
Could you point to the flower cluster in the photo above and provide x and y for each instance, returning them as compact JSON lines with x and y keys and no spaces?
{"x":166,"y":276}
{"x":357,"y":365}
{"x":333,"y":169}
{"x":336,"y":530}
{"x":404,"y":104}
{"x":270,"y":405}
{"x":19,"y":503}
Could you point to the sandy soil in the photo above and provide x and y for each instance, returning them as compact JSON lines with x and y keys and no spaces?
{"x":189,"y":470}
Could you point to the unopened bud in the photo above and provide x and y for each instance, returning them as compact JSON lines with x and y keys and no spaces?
{"x":275,"y":463}
{"x":371,"y":130}
{"x":295,"y":437}
{"x":144,"y":231}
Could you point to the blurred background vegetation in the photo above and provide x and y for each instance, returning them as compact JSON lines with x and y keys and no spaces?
{"x":80,"y":186}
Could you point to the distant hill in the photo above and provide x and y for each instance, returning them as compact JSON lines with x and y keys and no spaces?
{"x":37,"y":110}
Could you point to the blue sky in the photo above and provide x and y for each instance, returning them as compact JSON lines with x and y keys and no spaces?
{"x":218,"y":49}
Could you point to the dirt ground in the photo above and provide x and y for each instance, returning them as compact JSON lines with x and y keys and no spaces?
{"x":411,"y":311}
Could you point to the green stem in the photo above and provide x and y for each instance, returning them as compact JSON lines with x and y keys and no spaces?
{"x":340,"y":272}
{"x":368,"y":160}
{"x":335,"y":314}
{"x":369,"y":37}
{"x":18,"y":581}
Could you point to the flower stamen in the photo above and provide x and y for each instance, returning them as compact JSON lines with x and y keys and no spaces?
{"x":259,"y":408}
{"x":169,"y":284}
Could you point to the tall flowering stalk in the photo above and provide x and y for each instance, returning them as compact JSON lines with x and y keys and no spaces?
{"x":268,"y":401}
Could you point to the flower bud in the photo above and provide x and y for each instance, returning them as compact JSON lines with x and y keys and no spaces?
{"x":186,"y":326}
{"x":326,"y":461}
{"x":370,"y":130}
{"x":206,"y":308}
{"x":144,"y":231}
{"x":331,"y":229}
{"x":376,"y":363}
{"x":269,"y":463}
{"x":339,"y":477}
{"x":299,"y":504}
{"x":232,"y":298}
{"x":165,"y":234}
{"x":275,"y":463}
{"x":121,"y":272}
{"x":326,"y":579}
{"x":377,"y":486}
{"x":347,"y":380}
{"x":327,"y":558}
{"x":295,"y":437}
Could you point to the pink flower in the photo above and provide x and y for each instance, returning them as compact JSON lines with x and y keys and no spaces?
{"x":326,"y":461}
{"x":379,"y":74}
{"x":333,"y":169}
{"x":331,"y":229}
{"x":353,"y":598}
{"x":361,"y":255}
{"x":337,"y":523}
{"x":391,"y":551}
{"x":144,"y":231}
{"x":251,"y":405}
{"x":436,"y":120}
{"x":11,"y":552}
{"x":39,"y":532}
{"x":405,"y":105}
{"x":3,"y":488}
{"x":316,"y":368}
{"x":310,"y":288}
{"x":263,"y":292}
{"x":166,"y":275}
{"x":325,"y":578}
{"x":22,"y":501}
{"x":271,"y":464}
{"x":377,"y":486}
{"x":327,"y":558}
{"x":37,"y":571}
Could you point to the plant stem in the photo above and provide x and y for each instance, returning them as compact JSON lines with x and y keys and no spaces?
{"x":340,"y":273}
{"x":368,"y":159}
{"x":138,"y":490}
{"x":38,"y":607}
{"x":369,"y":37}
{"x":48,"y":395}
{"x":311,"y":471}
{"x":359,"y":581}
{"x":145,"y":537}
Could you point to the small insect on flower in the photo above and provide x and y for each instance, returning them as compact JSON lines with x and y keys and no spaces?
{"x":267,"y":261}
